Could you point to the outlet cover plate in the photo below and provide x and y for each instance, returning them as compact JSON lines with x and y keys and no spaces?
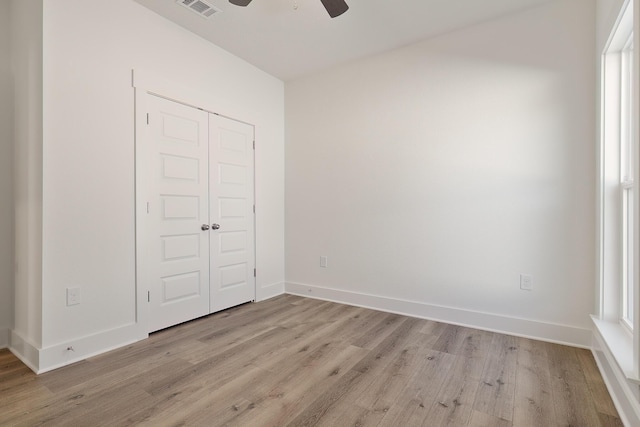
{"x":73,"y":296}
{"x":526,"y":282}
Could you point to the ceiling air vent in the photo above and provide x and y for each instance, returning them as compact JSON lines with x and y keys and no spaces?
{"x":201,"y":7}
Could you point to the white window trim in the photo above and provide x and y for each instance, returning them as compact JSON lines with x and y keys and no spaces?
{"x":623,"y":342}
{"x":619,"y":342}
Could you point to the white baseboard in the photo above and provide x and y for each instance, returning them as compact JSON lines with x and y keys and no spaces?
{"x":4,"y":338}
{"x":25,"y":350}
{"x":63,"y":354}
{"x":66,"y":353}
{"x":625,"y":394}
{"x":550,"y":332}
{"x":59,"y":355}
{"x":269,"y":291}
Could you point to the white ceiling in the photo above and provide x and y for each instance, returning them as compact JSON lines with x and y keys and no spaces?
{"x":288,"y":43}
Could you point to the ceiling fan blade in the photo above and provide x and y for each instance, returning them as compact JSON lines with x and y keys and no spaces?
{"x":335,"y":7}
{"x":240,"y":2}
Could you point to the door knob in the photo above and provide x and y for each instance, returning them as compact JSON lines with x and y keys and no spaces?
{"x":215,"y":226}
{"x":205,"y":227}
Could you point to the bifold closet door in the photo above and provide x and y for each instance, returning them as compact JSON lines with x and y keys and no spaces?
{"x":231,"y":212}
{"x":178,"y":213}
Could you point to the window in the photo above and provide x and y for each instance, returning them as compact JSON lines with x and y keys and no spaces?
{"x":618,"y":320}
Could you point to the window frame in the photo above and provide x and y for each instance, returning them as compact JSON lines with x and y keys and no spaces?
{"x":618,"y":202}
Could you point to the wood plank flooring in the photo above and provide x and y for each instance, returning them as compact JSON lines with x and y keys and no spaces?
{"x":294,"y":361}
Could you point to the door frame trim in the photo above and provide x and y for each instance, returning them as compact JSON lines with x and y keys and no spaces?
{"x":144,"y":85}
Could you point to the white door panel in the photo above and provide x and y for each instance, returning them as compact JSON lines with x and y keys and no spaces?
{"x":178,"y":207}
{"x":231,"y":207}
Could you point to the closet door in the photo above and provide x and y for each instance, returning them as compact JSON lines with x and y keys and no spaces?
{"x":178,"y":209}
{"x":231,"y":212}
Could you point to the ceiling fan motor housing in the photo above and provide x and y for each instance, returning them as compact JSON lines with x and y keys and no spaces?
{"x":334,"y":7}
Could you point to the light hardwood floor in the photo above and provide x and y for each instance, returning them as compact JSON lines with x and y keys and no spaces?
{"x":293,"y":361}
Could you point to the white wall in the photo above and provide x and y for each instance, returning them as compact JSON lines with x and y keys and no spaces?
{"x":26,"y":51}
{"x":6,"y":176}
{"x":90,"y":49}
{"x":435,"y":174}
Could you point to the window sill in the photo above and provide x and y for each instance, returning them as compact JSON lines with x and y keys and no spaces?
{"x":620,"y":344}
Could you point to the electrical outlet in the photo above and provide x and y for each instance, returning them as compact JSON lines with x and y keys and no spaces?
{"x":323,"y":261}
{"x":526,"y":282}
{"x":73,"y":296}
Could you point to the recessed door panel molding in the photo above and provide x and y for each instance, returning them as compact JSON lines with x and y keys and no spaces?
{"x":180,"y":287}
{"x":232,"y":276}
{"x":178,"y":247}
{"x":177,"y":167}
{"x":232,"y":141}
{"x":232,"y":174}
{"x":181,"y":129}
{"x":233,"y":242}
{"x":232,"y":208}
{"x":180,"y":207}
